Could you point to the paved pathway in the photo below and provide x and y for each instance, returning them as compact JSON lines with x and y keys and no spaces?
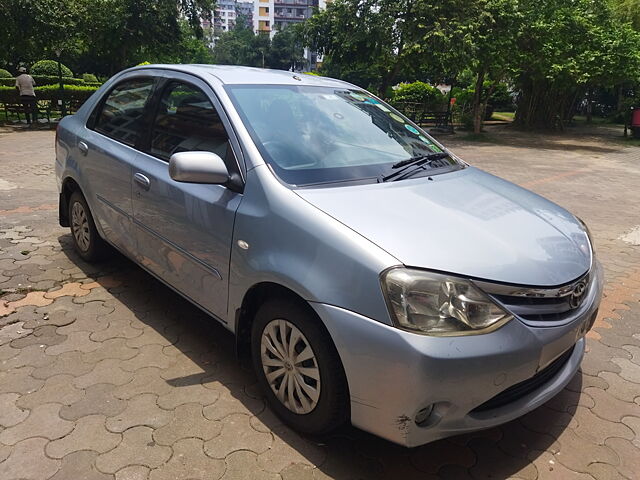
{"x":105,"y":373}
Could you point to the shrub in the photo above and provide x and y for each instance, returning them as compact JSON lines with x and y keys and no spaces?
{"x":5,"y":73}
{"x":419,"y":92}
{"x":42,"y":80}
{"x":50,"y":67}
{"x":78,"y":93}
{"x":89,"y":78}
{"x":143,"y":63}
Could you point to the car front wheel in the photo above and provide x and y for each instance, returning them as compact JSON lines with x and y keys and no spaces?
{"x":298,"y":368}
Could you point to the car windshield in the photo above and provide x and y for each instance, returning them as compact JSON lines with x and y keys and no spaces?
{"x":313,"y":135}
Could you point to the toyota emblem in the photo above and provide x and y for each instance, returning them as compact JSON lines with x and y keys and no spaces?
{"x":576,"y":296}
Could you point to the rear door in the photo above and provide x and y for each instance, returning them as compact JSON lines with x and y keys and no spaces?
{"x":108,"y":145}
{"x":185,"y":230}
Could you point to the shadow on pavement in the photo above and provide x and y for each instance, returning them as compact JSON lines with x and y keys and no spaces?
{"x":350,"y":453}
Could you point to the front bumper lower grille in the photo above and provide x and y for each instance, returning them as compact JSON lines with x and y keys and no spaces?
{"x":519,"y":390}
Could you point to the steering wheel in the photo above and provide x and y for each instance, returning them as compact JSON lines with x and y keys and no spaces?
{"x":288,"y":155}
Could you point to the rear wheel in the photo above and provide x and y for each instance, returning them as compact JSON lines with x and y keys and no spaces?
{"x":86,"y":240}
{"x":298,"y":368}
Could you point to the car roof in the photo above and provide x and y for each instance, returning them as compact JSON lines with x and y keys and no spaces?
{"x":233,"y":74}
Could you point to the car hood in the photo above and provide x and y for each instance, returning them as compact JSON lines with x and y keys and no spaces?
{"x":466,"y":222}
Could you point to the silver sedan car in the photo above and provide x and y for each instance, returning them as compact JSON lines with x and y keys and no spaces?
{"x":372,"y":275}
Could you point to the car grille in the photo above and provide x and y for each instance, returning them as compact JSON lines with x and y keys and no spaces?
{"x":542,"y":304}
{"x":522,"y":389}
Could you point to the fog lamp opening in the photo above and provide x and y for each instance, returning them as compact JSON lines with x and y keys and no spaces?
{"x":423,"y":415}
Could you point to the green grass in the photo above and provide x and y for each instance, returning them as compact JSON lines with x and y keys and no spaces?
{"x":506,"y":116}
{"x":581,"y":119}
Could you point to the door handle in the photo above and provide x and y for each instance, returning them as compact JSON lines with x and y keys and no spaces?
{"x":142,"y":181}
{"x":83,"y":147}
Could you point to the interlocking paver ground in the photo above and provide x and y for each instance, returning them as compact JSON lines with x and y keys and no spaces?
{"x":107,"y":374}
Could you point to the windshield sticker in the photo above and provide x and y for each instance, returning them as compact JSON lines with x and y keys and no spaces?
{"x":382,"y":107}
{"x":424,"y":139}
{"x":397,"y":118}
{"x":412,"y":129}
{"x":435,"y":148}
{"x":357,"y":96}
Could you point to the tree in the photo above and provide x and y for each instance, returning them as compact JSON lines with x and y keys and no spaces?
{"x":102,"y":36}
{"x":240,"y":46}
{"x":381,"y":42}
{"x":125,"y":32}
{"x":498,"y":23}
{"x":628,"y":11}
{"x":287,"y":50}
{"x":554,"y":71}
{"x":34,"y":30}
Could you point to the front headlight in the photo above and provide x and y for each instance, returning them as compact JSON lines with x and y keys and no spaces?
{"x":439,"y":305}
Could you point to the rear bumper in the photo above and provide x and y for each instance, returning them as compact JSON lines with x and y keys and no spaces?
{"x":393,"y":374}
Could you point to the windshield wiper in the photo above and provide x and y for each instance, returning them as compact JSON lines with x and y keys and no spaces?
{"x":417,"y":161}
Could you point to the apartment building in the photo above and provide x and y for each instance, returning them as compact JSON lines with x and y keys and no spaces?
{"x":272,"y":15}
{"x":227,"y":12}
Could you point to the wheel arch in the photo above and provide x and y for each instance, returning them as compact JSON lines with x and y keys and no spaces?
{"x":253,"y":299}
{"x":69,"y":185}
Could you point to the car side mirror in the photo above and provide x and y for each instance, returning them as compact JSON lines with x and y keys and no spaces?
{"x":198,"y":167}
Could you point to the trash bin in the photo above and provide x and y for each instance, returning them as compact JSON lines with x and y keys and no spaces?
{"x":635,"y":122}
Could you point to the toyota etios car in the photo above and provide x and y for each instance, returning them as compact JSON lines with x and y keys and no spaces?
{"x":373,"y":276}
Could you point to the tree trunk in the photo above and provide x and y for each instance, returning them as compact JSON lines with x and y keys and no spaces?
{"x":388,"y":79}
{"x":478,"y":111}
{"x":620,"y":99}
{"x":590,"y":106}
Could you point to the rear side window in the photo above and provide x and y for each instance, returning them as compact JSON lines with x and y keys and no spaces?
{"x":120,"y":116}
{"x":186,"y":121}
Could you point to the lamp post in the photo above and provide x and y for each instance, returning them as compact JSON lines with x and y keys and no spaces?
{"x":61,"y":100}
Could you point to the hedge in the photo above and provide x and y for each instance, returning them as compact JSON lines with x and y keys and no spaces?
{"x":50,"y":92}
{"x":50,"y":67}
{"x":5,"y":73}
{"x":42,"y":80}
{"x":89,"y":78}
{"x":419,"y":92}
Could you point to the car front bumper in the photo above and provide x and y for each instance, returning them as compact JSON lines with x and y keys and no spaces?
{"x":393,"y":375}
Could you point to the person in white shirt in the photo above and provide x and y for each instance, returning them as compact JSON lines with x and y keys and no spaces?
{"x":24,"y":85}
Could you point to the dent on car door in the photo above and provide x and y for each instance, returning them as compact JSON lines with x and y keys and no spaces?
{"x":108,"y":148}
{"x":185,"y":230}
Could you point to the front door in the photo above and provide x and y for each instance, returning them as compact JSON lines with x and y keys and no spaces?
{"x":185,"y":230}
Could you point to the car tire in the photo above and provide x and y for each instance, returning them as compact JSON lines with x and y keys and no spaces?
{"x":295,"y":404}
{"x":86,"y":239}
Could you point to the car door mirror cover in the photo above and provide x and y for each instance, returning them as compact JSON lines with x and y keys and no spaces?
{"x":198,"y":167}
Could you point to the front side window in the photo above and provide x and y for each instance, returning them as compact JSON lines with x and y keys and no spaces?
{"x":120,"y":115}
{"x":186,"y":121}
{"x":313,"y":135}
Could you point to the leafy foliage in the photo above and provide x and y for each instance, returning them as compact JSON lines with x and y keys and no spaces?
{"x":50,"y":68}
{"x":240,"y":46}
{"x":101,"y":36}
{"x":419,"y":92}
{"x":380,"y":42}
{"x":5,"y":73}
{"x":45,"y":80}
{"x":50,"y":92}
{"x":89,"y":77}
{"x":551,"y":52}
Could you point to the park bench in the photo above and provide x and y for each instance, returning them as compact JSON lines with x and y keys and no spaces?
{"x":14,"y":108}
{"x":17,"y":108}
{"x":419,"y":114}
